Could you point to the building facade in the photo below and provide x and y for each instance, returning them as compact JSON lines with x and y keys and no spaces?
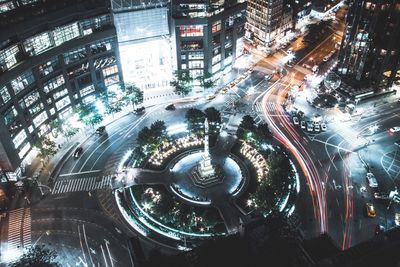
{"x":207,"y":35}
{"x":267,"y":21}
{"x":370,"y":49}
{"x":54,"y":54}
{"x":144,"y":42}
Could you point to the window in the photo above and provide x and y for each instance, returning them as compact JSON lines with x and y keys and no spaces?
{"x":111,"y":80}
{"x":196,"y":73}
{"x":216,"y":26}
{"x":24,"y":150}
{"x":90,"y":25}
{"x":8,"y":57}
{"x":196,"y":55}
{"x":19,"y":138}
{"x":192,"y":45}
{"x":196,"y":64}
{"x":89,"y":99}
{"x":87,"y":90}
{"x":191,"y":30}
{"x":37,"y":44}
{"x":104,"y":61}
{"x":66,"y":33}
{"x":60,"y":93}
{"x":102,"y":46}
{"x":22,"y":81}
{"x":35,"y":109}
{"x":216,"y":59}
{"x":5,"y":95}
{"x":75,"y":55}
{"x":39,"y":119}
{"x":10,"y":115}
{"x":31,"y":98}
{"x":110,"y":71}
{"x":53,"y":83}
{"x":48,"y":67}
{"x":84,"y":81}
{"x":62,"y":103}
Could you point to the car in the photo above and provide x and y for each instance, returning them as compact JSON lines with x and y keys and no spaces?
{"x":303,"y":124}
{"x":310,"y":126}
{"x":381,"y":196}
{"x":140,"y":110}
{"x":170,"y":107}
{"x":323,"y":127}
{"x":371,"y":213}
{"x":225,"y":90}
{"x":317,"y":127}
{"x":78,"y":151}
{"x":268,"y":77}
{"x":210,"y":97}
{"x":315,"y":68}
{"x":397,"y":219}
{"x":397,"y":143}
{"x":326,"y":58}
{"x":394,"y":129}
{"x":100,"y":130}
{"x":306,"y":66}
{"x":295,"y":121}
{"x":372,"y":182}
{"x":289,"y":65}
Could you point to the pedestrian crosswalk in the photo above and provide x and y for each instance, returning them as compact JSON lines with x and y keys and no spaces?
{"x":19,"y":229}
{"x":271,"y":107}
{"x":82,"y":184}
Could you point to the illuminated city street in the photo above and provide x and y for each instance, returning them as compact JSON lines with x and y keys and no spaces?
{"x":178,"y":133}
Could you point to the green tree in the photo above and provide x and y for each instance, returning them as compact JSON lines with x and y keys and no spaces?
{"x":264,"y":198}
{"x":88,"y":114}
{"x":133,"y":94}
{"x":206,"y":80}
{"x":144,"y":138}
{"x":46,"y":147}
{"x":70,"y":131}
{"x":182,"y":82}
{"x":195,"y":120}
{"x":246,"y":126}
{"x":37,"y":256}
{"x":263,"y":131}
{"x":56,"y":127}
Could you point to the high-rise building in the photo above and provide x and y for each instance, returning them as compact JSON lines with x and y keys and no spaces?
{"x":54,"y":54}
{"x":370,"y":49}
{"x":207,"y":34}
{"x":267,"y":21}
{"x":144,"y":42}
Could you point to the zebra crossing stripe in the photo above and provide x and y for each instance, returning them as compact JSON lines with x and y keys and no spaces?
{"x":82,"y":184}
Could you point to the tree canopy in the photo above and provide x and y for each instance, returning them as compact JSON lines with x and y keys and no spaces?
{"x":182,"y":82}
{"x":37,"y":256}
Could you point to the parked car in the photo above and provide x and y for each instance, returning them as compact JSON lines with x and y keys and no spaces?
{"x":140,"y":110}
{"x":315,"y":68}
{"x":323,"y":127}
{"x":306,"y":66}
{"x":170,"y":107}
{"x":372,"y":182}
{"x":310,"y":126}
{"x":78,"y":152}
{"x":268,"y":77}
{"x":225,"y":90}
{"x":397,"y":219}
{"x":397,"y":143}
{"x":370,"y":210}
{"x":100,"y":130}
{"x":394,"y":129}
{"x":295,"y":121}
{"x":289,"y":65}
{"x":303,"y":124}
{"x":317,"y":127}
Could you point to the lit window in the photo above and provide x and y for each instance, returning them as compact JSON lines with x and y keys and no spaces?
{"x":216,"y":26}
{"x":5,"y":95}
{"x":22,"y":81}
{"x":53,"y":83}
{"x":37,"y":44}
{"x":191,"y":30}
{"x":62,"y":103}
{"x":19,"y":138}
{"x":39,"y":119}
{"x":66,"y":33}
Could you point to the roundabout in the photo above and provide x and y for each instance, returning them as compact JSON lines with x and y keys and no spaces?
{"x":187,"y":191}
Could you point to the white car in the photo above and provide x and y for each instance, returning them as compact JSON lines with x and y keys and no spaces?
{"x":394,"y":129}
{"x":268,"y":77}
{"x":303,"y":124}
{"x":372,"y":182}
{"x":296,"y":121}
{"x":317,"y":128}
{"x":323,"y":127}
